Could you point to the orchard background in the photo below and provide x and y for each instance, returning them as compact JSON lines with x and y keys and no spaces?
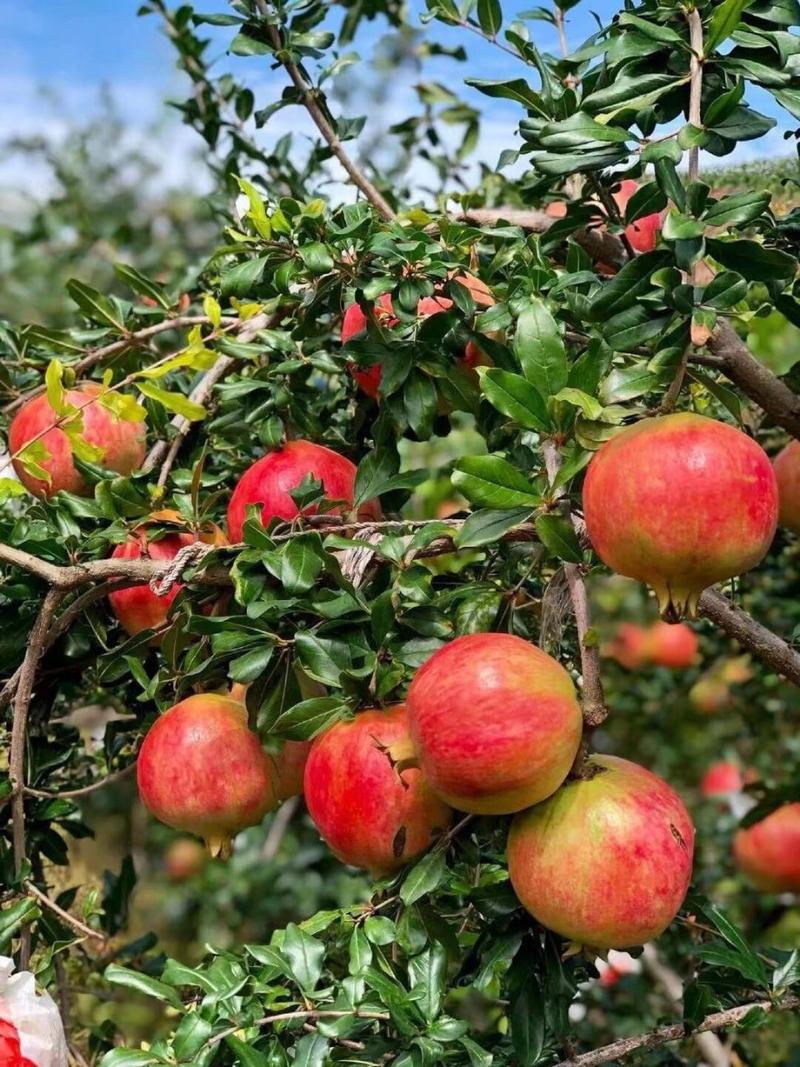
{"x":218,"y":319}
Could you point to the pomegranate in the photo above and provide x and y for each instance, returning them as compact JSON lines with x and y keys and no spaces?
{"x":288,"y":761}
{"x":769,"y":851}
{"x":372,"y":808}
{"x":184,"y":859}
{"x":642,"y":234}
{"x":139,"y":608}
{"x":680,"y":502}
{"x":710,"y":695}
{"x":629,"y":646}
{"x":354,"y":321}
{"x":123,"y":442}
{"x":495,"y":722}
{"x":672,"y":645}
{"x":607,"y":860}
{"x":201,"y":770}
{"x":270,"y":479}
{"x":787,"y":471}
{"x":720,"y":779}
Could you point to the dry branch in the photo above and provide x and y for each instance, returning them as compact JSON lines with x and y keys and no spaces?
{"x":763,"y":643}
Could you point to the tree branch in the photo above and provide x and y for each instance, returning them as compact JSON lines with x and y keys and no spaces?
{"x":677,"y":1032}
{"x":309,"y":96}
{"x":763,"y":643}
{"x":695,"y":85}
{"x":285,"y":1016}
{"x":85,"y":790}
{"x":601,"y":245}
{"x":737,"y":363}
{"x":19,"y":734}
{"x":65,"y":916}
{"x":595,"y":709}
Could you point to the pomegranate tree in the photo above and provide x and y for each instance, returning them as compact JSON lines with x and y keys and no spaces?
{"x":200,"y":769}
{"x":120,"y":444}
{"x":680,"y":502}
{"x":370,"y":804}
{"x":628,"y":842}
{"x":495,"y":721}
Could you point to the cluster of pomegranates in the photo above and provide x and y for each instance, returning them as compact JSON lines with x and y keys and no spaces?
{"x":663,"y":644}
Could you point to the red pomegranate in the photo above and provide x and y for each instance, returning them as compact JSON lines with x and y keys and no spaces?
{"x":200,"y":769}
{"x":371,"y":808}
{"x":629,"y":646}
{"x":606,"y":861}
{"x":680,"y":502}
{"x":139,"y":608}
{"x":184,"y":859}
{"x":672,"y":645}
{"x":721,"y":779}
{"x":123,"y":442}
{"x":270,"y":479}
{"x":642,"y":234}
{"x":787,"y":471}
{"x":769,"y":852}
{"x":355,"y":321}
{"x":495,"y":722}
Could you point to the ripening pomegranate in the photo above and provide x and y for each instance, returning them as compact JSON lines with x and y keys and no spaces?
{"x":710,"y":695}
{"x":123,"y":442}
{"x":270,"y":479}
{"x":495,"y":722}
{"x":680,"y":502}
{"x":354,"y":321}
{"x":769,"y":852}
{"x":642,"y":234}
{"x":671,"y":645}
{"x":606,"y":861}
{"x":184,"y":859}
{"x":628,"y":646}
{"x":139,"y":608}
{"x":721,"y":779}
{"x":200,"y":769}
{"x":372,"y":808}
{"x":787,"y":471}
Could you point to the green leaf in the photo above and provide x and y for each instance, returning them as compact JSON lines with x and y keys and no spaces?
{"x":246,"y":1054}
{"x":490,"y":16}
{"x":13,"y":916}
{"x":360,"y":951}
{"x":424,"y":877}
{"x":317,"y":258}
{"x":737,"y":209}
{"x":492,"y":482}
{"x":176,"y":402}
{"x":243,"y":279}
{"x":301,"y":563}
{"x":631,"y":91}
{"x":678,"y":227}
{"x":540,"y":349}
{"x":309,"y":718}
{"x":427,"y":974}
{"x":142,"y":983}
{"x":752,"y":260}
{"x":526,"y":1017}
{"x":724,"y":21}
{"x":127,"y":1057}
{"x":744,"y":958}
{"x":515,"y":397}
{"x":590,"y":407}
{"x":304,"y":955}
{"x":515,"y":89}
{"x":487,"y":526}
{"x":94,"y":305}
{"x":625,"y":288}
{"x":310,"y":1051}
{"x":557,"y":535}
{"x":787,"y":973}
{"x":142,"y":285}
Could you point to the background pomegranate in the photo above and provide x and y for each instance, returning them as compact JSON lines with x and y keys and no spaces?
{"x":720,"y":779}
{"x":495,"y":722}
{"x":680,"y":502}
{"x":769,"y":851}
{"x":606,"y":861}
{"x":787,"y":471}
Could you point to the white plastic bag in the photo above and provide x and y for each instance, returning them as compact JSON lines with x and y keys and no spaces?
{"x":36,"y":1018}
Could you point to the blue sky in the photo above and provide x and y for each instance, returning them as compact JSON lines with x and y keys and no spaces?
{"x":74,"y":47}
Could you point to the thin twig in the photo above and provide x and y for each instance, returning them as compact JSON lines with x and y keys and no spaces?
{"x":85,"y":790}
{"x":718,"y":1020}
{"x":284,"y":1016}
{"x":278,"y":827}
{"x":310,"y":99}
{"x":695,"y":85}
{"x":65,"y":916}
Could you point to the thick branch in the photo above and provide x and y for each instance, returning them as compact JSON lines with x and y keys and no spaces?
{"x":763,"y":643}
{"x":310,"y":100}
{"x":695,"y":84}
{"x":719,"y":1020}
{"x":737,"y":362}
{"x":601,"y":245}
